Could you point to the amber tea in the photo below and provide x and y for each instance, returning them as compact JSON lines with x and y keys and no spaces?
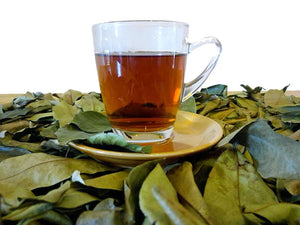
{"x":141,"y":91}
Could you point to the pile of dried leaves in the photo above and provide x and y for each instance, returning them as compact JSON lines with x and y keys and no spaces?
{"x":252,"y":176}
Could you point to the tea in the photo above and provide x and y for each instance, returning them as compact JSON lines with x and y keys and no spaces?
{"x":142,"y":90}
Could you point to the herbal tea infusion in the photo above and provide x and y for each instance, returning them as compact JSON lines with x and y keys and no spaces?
{"x":141,"y":91}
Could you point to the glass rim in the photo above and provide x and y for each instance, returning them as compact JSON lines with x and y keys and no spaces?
{"x":142,"y":22}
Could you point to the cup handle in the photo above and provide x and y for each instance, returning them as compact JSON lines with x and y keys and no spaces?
{"x":191,"y":87}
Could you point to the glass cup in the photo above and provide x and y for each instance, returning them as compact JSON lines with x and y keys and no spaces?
{"x":141,"y":66}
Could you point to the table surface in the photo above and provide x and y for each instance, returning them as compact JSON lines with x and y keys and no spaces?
{"x":6,"y":98}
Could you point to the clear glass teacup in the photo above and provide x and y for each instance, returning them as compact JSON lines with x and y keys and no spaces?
{"x":141,"y":67}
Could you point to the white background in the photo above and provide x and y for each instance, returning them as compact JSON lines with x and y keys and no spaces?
{"x":47,"y":45}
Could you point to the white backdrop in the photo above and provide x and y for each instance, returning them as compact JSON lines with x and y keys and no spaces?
{"x":47,"y":45}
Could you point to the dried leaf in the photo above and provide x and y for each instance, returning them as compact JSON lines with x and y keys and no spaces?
{"x":90,"y":103}
{"x":253,"y":192}
{"x":10,"y":194}
{"x":182,"y":179}
{"x":73,"y":199}
{"x":276,"y":155}
{"x":105,"y":213}
{"x":29,"y":212}
{"x":221,"y":191}
{"x":111,"y":139}
{"x":281,"y":213}
{"x":8,"y":152}
{"x":71,"y":96}
{"x":132,"y":186}
{"x":148,"y":203}
{"x":9,"y":141}
{"x":218,"y":89}
{"x":64,"y":113}
{"x":222,"y":114}
{"x":40,"y":169}
{"x":210,"y":106}
{"x":91,"y":121}
{"x":39,"y":103}
{"x":14,"y":126}
{"x":234,"y":189}
{"x":188,"y":105}
{"x":275,"y":98}
{"x":177,"y":214}
{"x":38,"y":116}
{"x":23,"y":100}
{"x":14,"y":114}
{"x":51,"y":217}
{"x":70,"y":133}
{"x":113,"y":181}
{"x":250,"y":105}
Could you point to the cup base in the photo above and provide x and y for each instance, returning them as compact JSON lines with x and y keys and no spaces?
{"x":145,"y":137}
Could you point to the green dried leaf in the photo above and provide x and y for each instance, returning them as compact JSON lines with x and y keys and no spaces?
{"x":113,"y":181}
{"x":73,"y":199}
{"x":38,"y":116}
{"x":7,"y":152}
{"x":250,"y":105}
{"x":112,"y":139}
{"x":132,"y":186}
{"x":253,"y":192}
{"x":253,"y":93}
{"x":105,"y":213}
{"x":13,"y":114}
{"x":250,"y":90}
{"x":281,"y":213}
{"x":40,"y":170}
{"x":64,"y":113}
{"x":234,"y":189}
{"x":14,"y":126}
{"x":91,"y":121}
{"x":9,"y":141}
{"x":53,"y":147}
{"x":90,"y":103}
{"x":231,"y":136}
{"x":29,"y":212}
{"x":71,"y":96}
{"x":39,"y":103}
{"x":275,"y":98}
{"x":49,"y":131}
{"x":177,"y":214}
{"x":289,"y":109}
{"x":148,"y":203}
{"x":291,"y":117}
{"x":51,"y":216}
{"x":210,"y":106}
{"x":182,"y":179}
{"x":276,"y":155}
{"x":218,"y":89}
{"x":221,"y":192}
{"x":10,"y":194}
{"x":188,"y":105}
{"x":23,"y":100}
{"x":55,"y":195}
{"x":222,"y":114}
{"x":70,"y":133}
